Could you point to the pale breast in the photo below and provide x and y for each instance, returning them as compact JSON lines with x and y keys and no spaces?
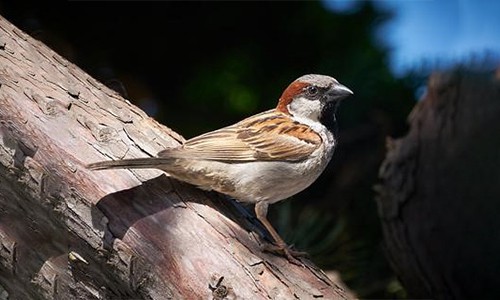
{"x":256,"y":181}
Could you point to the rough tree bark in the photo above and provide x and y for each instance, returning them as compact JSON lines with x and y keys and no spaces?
{"x":439,"y":199}
{"x":70,"y":233}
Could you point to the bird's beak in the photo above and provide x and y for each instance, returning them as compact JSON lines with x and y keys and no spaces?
{"x":339,"y":92}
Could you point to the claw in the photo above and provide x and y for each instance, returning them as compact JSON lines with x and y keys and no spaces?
{"x":290,"y":254}
{"x":280,"y":247}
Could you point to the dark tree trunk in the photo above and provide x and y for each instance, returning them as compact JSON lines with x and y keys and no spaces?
{"x":70,"y":233}
{"x":440,"y":194}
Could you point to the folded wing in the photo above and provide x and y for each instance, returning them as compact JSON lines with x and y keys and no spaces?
{"x":269,"y":136}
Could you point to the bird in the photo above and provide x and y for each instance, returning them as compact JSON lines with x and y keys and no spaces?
{"x":263,"y":159}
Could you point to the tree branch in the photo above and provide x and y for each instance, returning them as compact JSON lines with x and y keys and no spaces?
{"x":67,"y":231}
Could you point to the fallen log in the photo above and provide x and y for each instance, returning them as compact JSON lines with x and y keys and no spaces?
{"x":70,"y":233}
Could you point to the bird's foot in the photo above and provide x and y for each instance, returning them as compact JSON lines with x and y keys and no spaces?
{"x":284,"y":250}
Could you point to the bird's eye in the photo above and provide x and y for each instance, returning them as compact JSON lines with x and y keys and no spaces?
{"x":312,"y":90}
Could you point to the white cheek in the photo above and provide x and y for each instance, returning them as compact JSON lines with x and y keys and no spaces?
{"x":304,"y":108}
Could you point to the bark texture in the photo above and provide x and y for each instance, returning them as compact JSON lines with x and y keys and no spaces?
{"x":440,"y":191}
{"x":70,"y":233}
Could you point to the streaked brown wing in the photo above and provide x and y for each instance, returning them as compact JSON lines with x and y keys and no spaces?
{"x":266,"y":136}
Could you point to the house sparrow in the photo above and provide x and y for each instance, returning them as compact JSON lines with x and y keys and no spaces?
{"x":262,"y":159}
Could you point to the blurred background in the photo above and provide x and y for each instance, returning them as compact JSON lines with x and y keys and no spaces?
{"x":198,"y":66}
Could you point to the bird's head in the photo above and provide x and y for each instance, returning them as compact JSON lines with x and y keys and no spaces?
{"x":313,"y":97}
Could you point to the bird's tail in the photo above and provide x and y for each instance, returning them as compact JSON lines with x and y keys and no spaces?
{"x":134,"y":163}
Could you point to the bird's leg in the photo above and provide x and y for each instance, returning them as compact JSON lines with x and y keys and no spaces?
{"x":280,"y":247}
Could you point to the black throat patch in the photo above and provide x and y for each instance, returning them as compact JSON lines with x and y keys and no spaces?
{"x":327,"y":117}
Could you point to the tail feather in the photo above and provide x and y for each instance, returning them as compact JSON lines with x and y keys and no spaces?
{"x":134,"y":163}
